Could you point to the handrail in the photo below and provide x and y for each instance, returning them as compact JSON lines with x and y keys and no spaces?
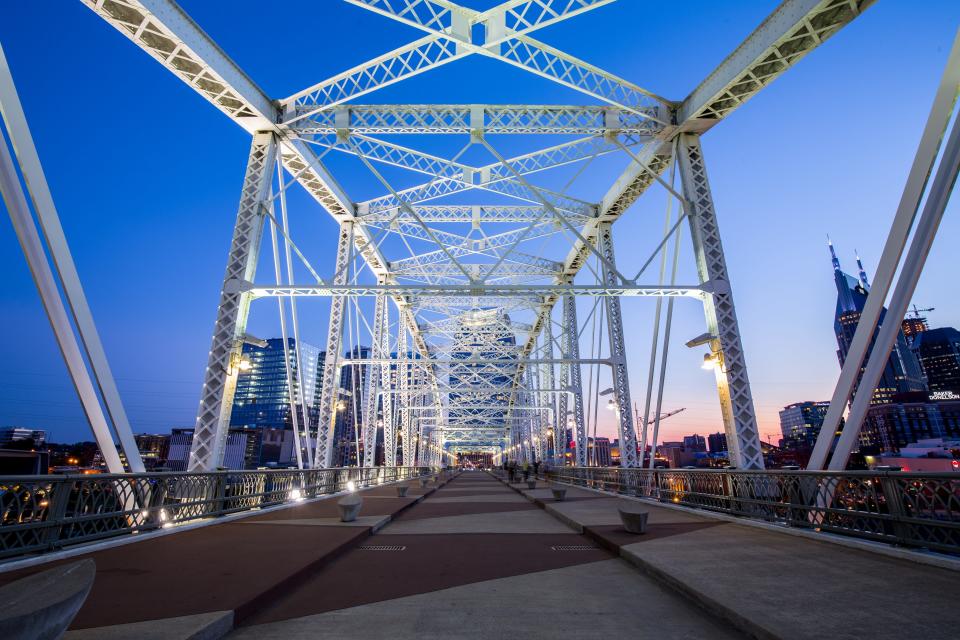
{"x":39,"y":514}
{"x":902,"y":508}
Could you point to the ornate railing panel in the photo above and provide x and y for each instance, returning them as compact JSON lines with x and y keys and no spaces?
{"x":908,"y":509}
{"x":43,"y":513}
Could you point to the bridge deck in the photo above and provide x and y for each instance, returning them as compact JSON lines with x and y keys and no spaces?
{"x":478,"y":561}
{"x":477,"y":558}
{"x":770,"y":584}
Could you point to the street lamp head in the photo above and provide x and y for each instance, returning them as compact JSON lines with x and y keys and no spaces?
{"x":710,"y":361}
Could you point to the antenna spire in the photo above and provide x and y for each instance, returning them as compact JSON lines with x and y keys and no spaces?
{"x":863,"y":274}
{"x":833,"y":255}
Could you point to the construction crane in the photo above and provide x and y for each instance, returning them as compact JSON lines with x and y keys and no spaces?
{"x":916,"y":312}
{"x":663,"y":416}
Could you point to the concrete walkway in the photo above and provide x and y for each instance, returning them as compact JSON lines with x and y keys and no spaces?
{"x":200,"y":582}
{"x":767,"y":583}
{"x":477,"y":560}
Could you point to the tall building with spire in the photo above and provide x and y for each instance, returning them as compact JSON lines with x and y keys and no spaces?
{"x":902,"y":373}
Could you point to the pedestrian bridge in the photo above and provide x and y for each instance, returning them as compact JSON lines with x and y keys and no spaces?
{"x":453,"y":328}
{"x":469,"y":554}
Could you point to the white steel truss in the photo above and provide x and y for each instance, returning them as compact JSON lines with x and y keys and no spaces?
{"x":468,"y":361}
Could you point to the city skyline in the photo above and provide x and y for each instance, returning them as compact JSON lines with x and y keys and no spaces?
{"x":779,"y":191}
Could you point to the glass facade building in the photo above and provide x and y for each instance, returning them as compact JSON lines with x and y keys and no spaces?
{"x":262,"y":399}
{"x":800,"y":422}
{"x":939,"y":354}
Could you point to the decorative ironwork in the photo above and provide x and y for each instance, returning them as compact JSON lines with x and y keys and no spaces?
{"x":42,"y":513}
{"x":908,"y":509}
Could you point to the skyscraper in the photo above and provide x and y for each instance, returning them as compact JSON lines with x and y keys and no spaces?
{"x":902,"y":372}
{"x":262,"y":398}
{"x":939,"y":354}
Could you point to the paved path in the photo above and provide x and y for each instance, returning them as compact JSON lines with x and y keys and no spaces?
{"x":187,"y":581}
{"x":478,"y":560}
{"x":768,"y":583}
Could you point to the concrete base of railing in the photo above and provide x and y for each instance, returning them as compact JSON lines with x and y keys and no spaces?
{"x":44,"y":604}
{"x":633,"y":517}
{"x":349,"y":507}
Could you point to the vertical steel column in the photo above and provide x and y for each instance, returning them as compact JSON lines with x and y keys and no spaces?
{"x":570,"y":330}
{"x":327,"y":422}
{"x":537,"y":420}
{"x":403,"y":384}
{"x":618,"y":352}
{"x":547,"y":379}
{"x":560,"y":421}
{"x":220,"y":379}
{"x":373,"y":379}
{"x":733,"y":385}
{"x":39,"y":191}
{"x":543,"y":399}
{"x":387,"y":384}
{"x":419,"y":439}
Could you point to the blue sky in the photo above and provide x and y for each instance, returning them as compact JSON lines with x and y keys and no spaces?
{"x":146,"y":176}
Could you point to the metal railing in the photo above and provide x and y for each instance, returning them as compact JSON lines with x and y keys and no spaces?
{"x":908,"y":509}
{"x":43,"y":513}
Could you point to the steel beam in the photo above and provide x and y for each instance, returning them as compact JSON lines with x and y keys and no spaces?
{"x":442,"y":291}
{"x":733,"y":384}
{"x":373,"y":384}
{"x":220,"y":378}
{"x":467,"y":119}
{"x":793,"y":30}
{"x":618,"y":356}
{"x":572,"y":356}
{"x":331,"y":367}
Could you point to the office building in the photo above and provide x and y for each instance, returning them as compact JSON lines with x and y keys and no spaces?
{"x":939,"y":354}
{"x":676,"y":455}
{"x":242,"y":450}
{"x":717,"y":442}
{"x":262,"y":398}
{"x":911,"y":417}
{"x":154,"y":449}
{"x":599,"y":452}
{"x":902,"y":373}
{"x":800,"y":422}
{"x":695,"y":443}
{"x":9,"y":435}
